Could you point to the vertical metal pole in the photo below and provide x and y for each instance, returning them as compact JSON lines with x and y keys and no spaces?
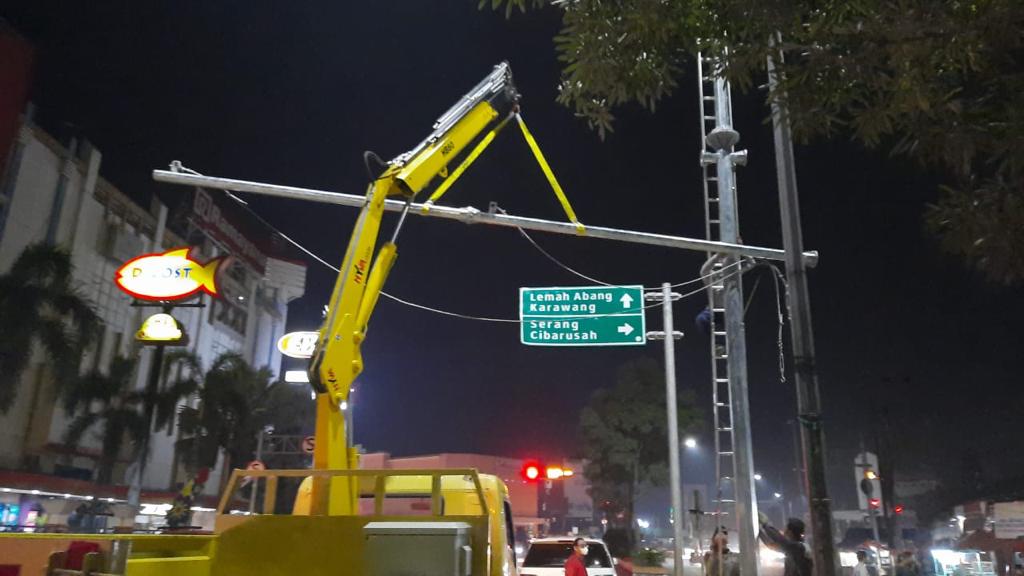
{"x":671,"y":406}
{"x":259,"y":456}
{"x":153,"y":385}
{"x":149,"y":415}
{"x":743,"y":482}
{"x":812,"y":433}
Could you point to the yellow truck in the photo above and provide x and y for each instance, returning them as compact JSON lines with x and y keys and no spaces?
{"x":345,"y":521}
{"x":453,"y":522}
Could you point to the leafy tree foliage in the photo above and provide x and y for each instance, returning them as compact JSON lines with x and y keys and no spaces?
{"x":234,"y":402}
{"x":623,"y":431}
{"x":39,"y":306}
{"x":941,"y":81}
{"x":119,"y":415}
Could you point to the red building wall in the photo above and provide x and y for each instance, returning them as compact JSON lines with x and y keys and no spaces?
{"x":15,"y":80}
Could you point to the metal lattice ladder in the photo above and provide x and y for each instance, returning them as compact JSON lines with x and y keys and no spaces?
{"x":725,"y":462}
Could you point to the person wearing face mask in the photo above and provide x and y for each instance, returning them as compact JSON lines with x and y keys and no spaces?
{"x":575,"y":565}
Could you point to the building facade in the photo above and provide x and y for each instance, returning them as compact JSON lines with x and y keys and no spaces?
{"x":53,"y":192}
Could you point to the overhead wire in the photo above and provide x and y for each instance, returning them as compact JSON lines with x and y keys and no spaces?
{"x":579,"y":274}
{"x":311,"y":254}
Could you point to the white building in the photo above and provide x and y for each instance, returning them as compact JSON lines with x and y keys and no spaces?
{"x":53,"y":192}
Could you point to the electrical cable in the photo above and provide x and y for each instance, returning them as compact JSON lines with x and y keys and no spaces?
{"x":780,"y":293}
{"x":469,"y":316}
{"x":579,"y":274}
{"x":381,"y":164}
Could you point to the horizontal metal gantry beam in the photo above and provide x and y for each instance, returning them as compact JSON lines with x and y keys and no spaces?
{"x":471,"y":215}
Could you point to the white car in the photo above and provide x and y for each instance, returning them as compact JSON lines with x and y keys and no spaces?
{"x":547,"y":556}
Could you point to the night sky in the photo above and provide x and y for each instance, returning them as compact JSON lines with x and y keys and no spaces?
{"x":292,"y":93}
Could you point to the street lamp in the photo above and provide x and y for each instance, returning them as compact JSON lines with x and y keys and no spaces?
{"x":690,"y":442}
{"x":757,"y":477}
{"x":777,"y":495}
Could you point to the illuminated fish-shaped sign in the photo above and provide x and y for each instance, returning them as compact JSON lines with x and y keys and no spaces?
{"x":168,"y":276}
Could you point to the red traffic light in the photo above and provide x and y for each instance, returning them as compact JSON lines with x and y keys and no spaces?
{"x":874,"y":503}
{"x":898,"y":508}
{"x":531,"y":470}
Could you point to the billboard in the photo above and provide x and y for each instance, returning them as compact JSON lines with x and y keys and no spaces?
{"x":1009,"y":517}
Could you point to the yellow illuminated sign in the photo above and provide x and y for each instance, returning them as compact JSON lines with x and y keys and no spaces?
{"x":298,"y":344}
{"x":171,"y":275}
{"x":160,"y":328}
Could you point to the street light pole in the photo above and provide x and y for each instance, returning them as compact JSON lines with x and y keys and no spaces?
{"x":671,"y":406}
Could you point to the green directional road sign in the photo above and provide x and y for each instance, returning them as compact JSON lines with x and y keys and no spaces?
{"x":582,"y":316}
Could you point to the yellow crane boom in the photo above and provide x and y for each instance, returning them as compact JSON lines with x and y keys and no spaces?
{"x":337,"y":360}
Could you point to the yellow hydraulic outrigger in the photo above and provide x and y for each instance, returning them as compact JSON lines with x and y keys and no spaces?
{"x":337,"y":360}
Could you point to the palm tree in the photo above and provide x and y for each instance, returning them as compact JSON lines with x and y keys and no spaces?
{"x":120,"y":413}
{"x":233,"y":405}
{"x":39,"y":305}
{"x":232,"y":408}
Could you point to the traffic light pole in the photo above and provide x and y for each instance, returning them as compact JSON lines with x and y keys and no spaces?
{"x":868,"y":490}
{"x":812,"y":433}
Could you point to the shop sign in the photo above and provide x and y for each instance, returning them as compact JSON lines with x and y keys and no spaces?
{"x":298,"y":344}
{"x":172,"y":275}
{"x":161,"y":329}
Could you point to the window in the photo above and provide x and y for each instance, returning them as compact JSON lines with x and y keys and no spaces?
{"x":554,"y":555}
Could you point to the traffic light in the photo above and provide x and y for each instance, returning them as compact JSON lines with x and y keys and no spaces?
{"x":874,"y":503}
{"x":898,"y":508}
{"x":531,"y":470}
{"x":534,"y":470}
{"x":870,"y":474}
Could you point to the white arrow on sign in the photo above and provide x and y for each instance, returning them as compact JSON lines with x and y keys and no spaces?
{"x":626,"y":329}
{"x":626,"y":301}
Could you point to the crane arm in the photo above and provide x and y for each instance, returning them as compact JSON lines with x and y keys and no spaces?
{"x":337,"y":360}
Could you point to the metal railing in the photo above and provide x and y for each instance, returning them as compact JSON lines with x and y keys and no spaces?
{"x":379,"y":491}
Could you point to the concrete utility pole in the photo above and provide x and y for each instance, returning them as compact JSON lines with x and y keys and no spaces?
{"x":812,"y":433}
